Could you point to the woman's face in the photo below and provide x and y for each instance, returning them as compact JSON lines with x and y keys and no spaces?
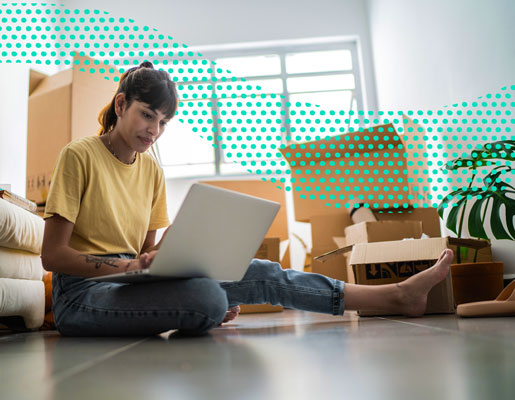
{"x":139,"y":125}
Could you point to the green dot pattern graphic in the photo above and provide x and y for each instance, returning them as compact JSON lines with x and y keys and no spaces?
{"x":385,"y":159}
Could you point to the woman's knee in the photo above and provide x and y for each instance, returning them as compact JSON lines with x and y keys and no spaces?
{"x":211,"y":300}
{"x":263,"y":270}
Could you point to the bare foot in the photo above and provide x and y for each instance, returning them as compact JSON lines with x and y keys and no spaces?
{"x":231,"y":314}
{"x":412,"y":294}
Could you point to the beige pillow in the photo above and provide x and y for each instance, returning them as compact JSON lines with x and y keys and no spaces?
{"x":20,"y":264}
{"x":20,"y":229}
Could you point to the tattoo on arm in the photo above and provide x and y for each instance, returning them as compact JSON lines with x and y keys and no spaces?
{"x":98,"y":261}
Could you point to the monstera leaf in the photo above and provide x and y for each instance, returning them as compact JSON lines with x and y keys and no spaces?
{"x":482,"y":156}
{"x":491,"y":197}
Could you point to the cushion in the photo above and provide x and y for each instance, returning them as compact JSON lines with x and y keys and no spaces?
{"x":24,"y":298}
{"x":20,"y":264}
{"x":20,"y":229}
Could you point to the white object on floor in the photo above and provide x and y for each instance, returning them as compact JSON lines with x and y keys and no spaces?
{"x":20,"y":297}
{"x":20,"y":229}
{"x":20,"y":264}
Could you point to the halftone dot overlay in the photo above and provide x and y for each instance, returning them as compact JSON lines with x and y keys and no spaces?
{"x":398,"y":159}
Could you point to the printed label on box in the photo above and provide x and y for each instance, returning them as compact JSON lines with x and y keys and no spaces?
{"x":401,"y":269}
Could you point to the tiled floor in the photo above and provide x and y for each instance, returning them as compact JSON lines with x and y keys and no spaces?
{"x":288,"y":355}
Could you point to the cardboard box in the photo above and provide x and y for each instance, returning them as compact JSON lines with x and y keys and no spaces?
{"x":62,"y":107}
{"x":323,"y":229}
{"x":269,"y":250}
{"x":394,"y":261}
{"x":372,"y":232}
{"x":269,"y":191}
{"x":354,"y":155}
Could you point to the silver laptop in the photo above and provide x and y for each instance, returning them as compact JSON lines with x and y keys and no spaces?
{"x":216,"y":233}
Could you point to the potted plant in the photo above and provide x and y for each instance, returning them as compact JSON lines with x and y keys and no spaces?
{"x":492,"y":196}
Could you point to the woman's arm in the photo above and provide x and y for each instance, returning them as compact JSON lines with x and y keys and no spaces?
{"x":58,"y":256}
{"x":149,"y":245}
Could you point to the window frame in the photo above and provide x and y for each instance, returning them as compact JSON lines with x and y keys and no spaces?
{"x":280,"y":48}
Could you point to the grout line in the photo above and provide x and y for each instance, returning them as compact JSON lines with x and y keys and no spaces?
{"x":468,"y":334}
{"x":58,"y":378}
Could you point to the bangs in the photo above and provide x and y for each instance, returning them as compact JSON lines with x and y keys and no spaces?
{"x":153,"y":87}
{"x":160,"y":97}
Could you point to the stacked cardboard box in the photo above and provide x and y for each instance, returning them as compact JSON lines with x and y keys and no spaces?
{"x":62,"y":107}
{"x":310,"y":161}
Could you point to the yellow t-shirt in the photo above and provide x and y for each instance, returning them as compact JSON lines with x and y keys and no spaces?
{"x":111,"y":204}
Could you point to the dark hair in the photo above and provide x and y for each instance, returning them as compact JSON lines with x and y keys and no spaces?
{"x":145,"y":84}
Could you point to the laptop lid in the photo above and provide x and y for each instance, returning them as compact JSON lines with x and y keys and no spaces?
{"x":216,"y":233}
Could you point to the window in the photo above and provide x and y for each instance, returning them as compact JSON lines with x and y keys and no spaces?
{"x":240,"y":103}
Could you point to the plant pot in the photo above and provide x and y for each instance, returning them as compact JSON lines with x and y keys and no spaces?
{"x":476,"y":281}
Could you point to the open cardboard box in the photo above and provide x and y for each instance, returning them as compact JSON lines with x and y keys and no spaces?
{"x":394,"y":261}
{"x":376,"y":231}
{"x":278,"y":230}
{"x":356,"y":163}
{"x":62,"y":107}
{"x":324,"y":228}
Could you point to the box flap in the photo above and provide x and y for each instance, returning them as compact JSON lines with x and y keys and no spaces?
{"x":382,"y":231}
{"x":339,"y":241}
{"x":348,"y":157}
{"x":50,"y":83}
{"x":399,"y":250}
{"x":330,"y":254}
{"x":335,"y":267}
{"x":35,"y":78}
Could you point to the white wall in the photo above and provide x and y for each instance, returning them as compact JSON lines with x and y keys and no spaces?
{"x":14,"y":83}
{"x":433,"y":53}
{"x":207,"y":22}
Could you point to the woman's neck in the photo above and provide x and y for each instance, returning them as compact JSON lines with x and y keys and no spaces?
{"x":117,"y":145}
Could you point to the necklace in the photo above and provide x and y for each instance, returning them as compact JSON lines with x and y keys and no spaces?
{"x":111,"y":149}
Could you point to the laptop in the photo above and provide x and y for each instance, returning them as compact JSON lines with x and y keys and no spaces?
{"x":215,"y":234}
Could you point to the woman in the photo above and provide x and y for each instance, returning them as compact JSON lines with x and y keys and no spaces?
{"x":106,"y":201}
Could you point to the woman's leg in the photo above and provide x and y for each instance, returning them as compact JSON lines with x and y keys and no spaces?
{"x":83,"y":308}
{"x":408,"y":297}
{"x":266,"y":281}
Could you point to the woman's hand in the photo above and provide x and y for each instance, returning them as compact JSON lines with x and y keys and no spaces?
{"x":143,"y":262}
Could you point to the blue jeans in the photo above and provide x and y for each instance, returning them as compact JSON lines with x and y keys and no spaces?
{"x":193,"y":306}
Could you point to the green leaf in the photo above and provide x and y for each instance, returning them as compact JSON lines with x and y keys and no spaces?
{"x":452,"y":219}
{"x":510,"y":214}
{"x":495,"y":221}
{"x":475,"y":225}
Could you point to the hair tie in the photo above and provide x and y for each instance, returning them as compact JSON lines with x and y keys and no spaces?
{"x":146,"y":64}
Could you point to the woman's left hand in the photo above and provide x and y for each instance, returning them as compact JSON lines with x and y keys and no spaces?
{"x":232,"y":313}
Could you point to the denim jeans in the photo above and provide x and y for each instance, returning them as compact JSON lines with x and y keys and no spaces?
{"x":193,"y":305}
